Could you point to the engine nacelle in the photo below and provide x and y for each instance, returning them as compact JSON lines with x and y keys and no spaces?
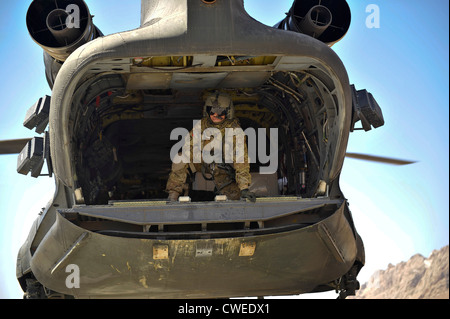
{"x":60,"y":26}
{"x":325,"y":20}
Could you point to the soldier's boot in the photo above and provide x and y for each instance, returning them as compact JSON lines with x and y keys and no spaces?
{"x":173,"y":196}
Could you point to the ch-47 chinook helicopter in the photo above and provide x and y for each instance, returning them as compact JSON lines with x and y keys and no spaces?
{"x":115,"y":101}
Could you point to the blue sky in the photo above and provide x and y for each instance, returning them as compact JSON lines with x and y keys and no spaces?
{"x":398,"y":210}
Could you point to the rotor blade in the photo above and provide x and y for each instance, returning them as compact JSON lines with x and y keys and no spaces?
{"x":379,"y":159}
{"x":13,"y":146}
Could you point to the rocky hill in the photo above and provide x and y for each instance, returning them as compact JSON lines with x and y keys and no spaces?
{"x":418,"y":278}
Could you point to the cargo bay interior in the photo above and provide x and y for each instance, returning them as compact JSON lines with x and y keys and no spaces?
{"x":121,"y":124}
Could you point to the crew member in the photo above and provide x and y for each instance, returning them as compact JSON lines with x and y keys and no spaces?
{"x":232,"y":179}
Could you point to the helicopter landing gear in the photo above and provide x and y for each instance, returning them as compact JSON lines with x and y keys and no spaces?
{"x":35,"y":290}
{"x":348,"y":284}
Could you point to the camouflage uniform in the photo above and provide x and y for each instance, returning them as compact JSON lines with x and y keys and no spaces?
{"x":230,"y":179}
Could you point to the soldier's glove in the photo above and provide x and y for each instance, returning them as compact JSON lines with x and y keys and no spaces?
{"x":173,"y":196}
{"x":246,"y":193}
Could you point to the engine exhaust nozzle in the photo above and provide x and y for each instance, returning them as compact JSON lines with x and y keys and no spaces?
{"x":316,"y":21}
{"x":57,"y":24}
{"x":325,"y":20}
{"x":60,"y":26}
